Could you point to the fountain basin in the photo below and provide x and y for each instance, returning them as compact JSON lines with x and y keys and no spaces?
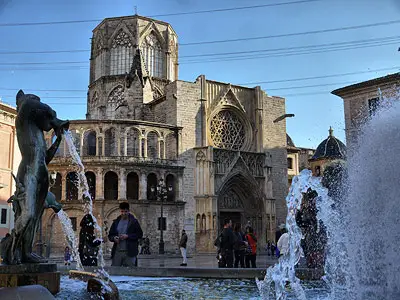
{"x":31,"y":274}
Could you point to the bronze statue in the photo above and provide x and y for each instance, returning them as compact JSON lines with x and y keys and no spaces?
{"x":32,"y":181}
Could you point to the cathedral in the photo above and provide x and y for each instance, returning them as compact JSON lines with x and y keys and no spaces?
{"x":213,"y":146}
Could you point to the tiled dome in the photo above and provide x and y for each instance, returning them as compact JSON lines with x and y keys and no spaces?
{"x":331,"y":148}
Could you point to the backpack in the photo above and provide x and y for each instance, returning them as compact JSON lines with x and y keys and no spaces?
{"x":218,"y":240}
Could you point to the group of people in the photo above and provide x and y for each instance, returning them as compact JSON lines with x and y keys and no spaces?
{"x":235,"y":247}
{"x":125,"y":233}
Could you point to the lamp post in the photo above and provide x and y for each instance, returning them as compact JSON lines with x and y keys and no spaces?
{"x":161,"y":195}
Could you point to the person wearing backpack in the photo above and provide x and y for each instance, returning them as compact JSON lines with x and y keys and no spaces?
{"x":240,"y":246}
{"x":252,"y":248}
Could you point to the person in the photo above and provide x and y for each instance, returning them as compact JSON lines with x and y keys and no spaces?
{"x":88,"y":244}
{"x":268,"y":248}
{"x":228,"y":240}
{"x":182,"y":247}
{"x":252,"y":246}
{"x":125,"y":232}
{"x":240,"y":246}
{"x":283,"y":243}
{"x":67,"y":256}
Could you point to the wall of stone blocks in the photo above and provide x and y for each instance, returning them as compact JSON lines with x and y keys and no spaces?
{"x":274,"y":142}
{"x":188,"y":110}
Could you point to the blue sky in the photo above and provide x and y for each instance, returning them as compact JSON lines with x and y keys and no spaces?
{"x":315,"y":108}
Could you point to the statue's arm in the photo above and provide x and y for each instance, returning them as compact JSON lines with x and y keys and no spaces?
{"x":53,"y":149}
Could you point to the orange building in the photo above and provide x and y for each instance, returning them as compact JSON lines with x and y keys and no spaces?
{"x":10,"y":158}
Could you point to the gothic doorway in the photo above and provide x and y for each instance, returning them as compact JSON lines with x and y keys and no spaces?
{"x":240,"y":199}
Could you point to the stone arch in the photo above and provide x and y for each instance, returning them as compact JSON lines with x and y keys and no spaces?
{"x":111,"y":186}
{"x":153,"y":53}
{"x":133,"y":141}
{"x":110,"y":142}
{"x":240,"y":199}
{"x":91,"y":181}
{"x":152,"y":186}
{"x":171,"y":146}
{"x":152,"y":144}
{"x":121,"y":50}
{"x":89,"y":143}
{"x":71,"y":188}
{"x":115,"y":99}
{"x":56,"y":188}
{"x":76,"y":135}
{"x":132,"y":186}
{"x":171,"y":186}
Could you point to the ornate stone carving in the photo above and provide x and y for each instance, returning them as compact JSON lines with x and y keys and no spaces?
{"x":227,"y":131}
{"x":223,"y":160}
{"x":122,"y":40}
{"x":230,"y":200}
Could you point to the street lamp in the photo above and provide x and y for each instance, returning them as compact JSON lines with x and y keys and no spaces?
{"x":161,"y":195}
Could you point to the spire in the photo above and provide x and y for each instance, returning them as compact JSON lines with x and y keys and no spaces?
{"x":136,"y":70}
{"x":330,"y":131}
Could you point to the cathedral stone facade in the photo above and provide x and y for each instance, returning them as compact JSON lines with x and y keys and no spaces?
{"x":215,"y":144}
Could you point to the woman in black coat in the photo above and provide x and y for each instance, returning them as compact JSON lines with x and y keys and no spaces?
{"x":88,"y":244}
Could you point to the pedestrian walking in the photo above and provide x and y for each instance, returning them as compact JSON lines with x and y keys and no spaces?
{"x":182,"y":247}
{"x":125,"y":232}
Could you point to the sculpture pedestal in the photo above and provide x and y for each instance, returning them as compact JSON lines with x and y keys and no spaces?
{"x":29,"y":274}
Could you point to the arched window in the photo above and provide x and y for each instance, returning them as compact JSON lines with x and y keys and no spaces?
{"x":115,"y":99}
{"x":171,"y":187}
{"x":89,"y":143}
{"x":56,"y":187}
{"x":133,"y":142}
{"x":91,"y":180}
{"x":153,"y":55}
{"x":72,"y":182}
{"x":152,"y":186}
{"x":121,"y":54}
{"x":110,"y":143}
{"x":132,"y":186}
{"x":152,"y":145}
{"x":77,"y":140}
{"x":111,"y":186}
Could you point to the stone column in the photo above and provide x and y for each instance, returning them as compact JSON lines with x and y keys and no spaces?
{"x":159,"y":149}
{"x":81,"y":146}
{"x":99,"y":184}
{"x":118,"y":142}
{"x":164,"y":149}
{"x":143,"y":186}
{"x":126,"y":143}
{"x":122,"y":184}
{"x":145,"y":148}
{"x":140,"y":147}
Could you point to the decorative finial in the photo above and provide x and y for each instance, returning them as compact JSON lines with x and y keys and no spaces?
{"x":330,"y":131}
{"x":135,"y":10}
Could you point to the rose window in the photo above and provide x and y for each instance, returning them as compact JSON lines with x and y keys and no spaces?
{"x":227,"y":130}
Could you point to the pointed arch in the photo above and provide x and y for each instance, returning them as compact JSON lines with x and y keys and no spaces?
{"x":153,"y":55}
{"x":133,"y":142}
{"x":114,"y":100}
{"x":121,"y":51}
{"x":152,"y":145}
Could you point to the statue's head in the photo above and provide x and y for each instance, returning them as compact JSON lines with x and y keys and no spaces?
{"x":43,"y":116}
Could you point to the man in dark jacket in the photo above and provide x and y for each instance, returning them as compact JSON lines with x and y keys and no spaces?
{"x":182,"y":247}
{"x":125,"y":232}
{"x":228,"y":240}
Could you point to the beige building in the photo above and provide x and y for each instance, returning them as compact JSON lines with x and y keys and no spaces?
{"x":361,"y":100}
{"x":10,"y":158}
{"x":214,"y":144}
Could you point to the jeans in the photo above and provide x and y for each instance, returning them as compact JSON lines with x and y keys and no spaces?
{"x":239,"y":258}
{"x":121,"y":259}
{"x":183,"y":252}
{"x":226,"y":259}
{"x":251,"y":258}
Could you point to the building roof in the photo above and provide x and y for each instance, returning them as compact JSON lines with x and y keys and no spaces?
{"x":289,"y":141}
{"x":330,"y":148}
{"x":373,"y":82}
{"x":8,"y":108}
